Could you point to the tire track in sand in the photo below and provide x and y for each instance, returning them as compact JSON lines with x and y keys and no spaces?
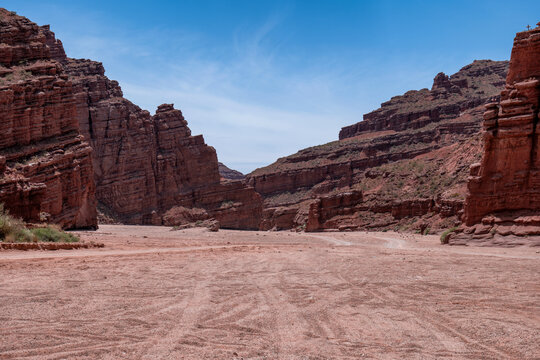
{"x":442,"y":323}
{"x":189,"y":309}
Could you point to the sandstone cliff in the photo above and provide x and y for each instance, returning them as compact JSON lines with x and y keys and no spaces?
{"x":504,"y":188}
{"x":45,"y":164}
{"x":143,"y":165}
{"x":448,"y":98}
{"x":403,"y":167}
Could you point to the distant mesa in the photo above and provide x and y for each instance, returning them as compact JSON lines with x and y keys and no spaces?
{"x":229,"y":174}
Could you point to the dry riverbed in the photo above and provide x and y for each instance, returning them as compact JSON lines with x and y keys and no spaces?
{"x":152,"y":293}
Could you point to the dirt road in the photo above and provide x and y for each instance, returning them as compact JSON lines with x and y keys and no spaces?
{"x":152,"y":293}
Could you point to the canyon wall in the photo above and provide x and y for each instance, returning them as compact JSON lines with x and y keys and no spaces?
{"x":70,"y":140}
{"x":403,"y":167}
{"x":504,"y":188}
{"x":46,"y":170}
{"x":448,"y":98}
{"x":143,"y":165}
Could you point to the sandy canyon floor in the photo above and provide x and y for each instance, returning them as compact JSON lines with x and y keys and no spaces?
{"x":152,"y":293}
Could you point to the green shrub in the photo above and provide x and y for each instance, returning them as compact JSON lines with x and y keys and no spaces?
{"x":445,"y":235}
{"x":24,"y":235}
{"x":51,"y":234}
{"x":8,"y":224}
{"x":14,"y":230}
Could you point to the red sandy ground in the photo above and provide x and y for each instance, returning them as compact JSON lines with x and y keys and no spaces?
{"x":153,"y":293}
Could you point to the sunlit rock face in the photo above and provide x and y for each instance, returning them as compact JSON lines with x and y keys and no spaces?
{"x":504,"y":188}
{"x":141,"y":165}
{"x":405,"y":166}
{"x":46,"y":169}
{"x":144,"y":164}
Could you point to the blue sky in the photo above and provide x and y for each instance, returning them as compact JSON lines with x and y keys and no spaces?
{"x":263,"y":79}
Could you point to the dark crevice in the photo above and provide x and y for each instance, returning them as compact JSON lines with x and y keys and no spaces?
{"x":90,"y":125}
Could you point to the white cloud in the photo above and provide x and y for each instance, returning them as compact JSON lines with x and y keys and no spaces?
{"x":245,"y":98}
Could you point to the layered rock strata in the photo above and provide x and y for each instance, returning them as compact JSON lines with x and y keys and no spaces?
{"x":143,"y":165}
{"x":409,"y":160}
{"x":503,"y":203}
{"x":448,"y":98}
{"x":46,"y":170}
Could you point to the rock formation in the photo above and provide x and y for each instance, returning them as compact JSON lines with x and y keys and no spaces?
{"x":229,"y":174}
{"x":143,"y":165}
{"x":503,"y":203}
{"x":404,"y":165}
{"x":448,"y":98}
{"x":45,"y":165}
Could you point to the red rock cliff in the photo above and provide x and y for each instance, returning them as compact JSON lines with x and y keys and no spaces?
{"x":45,"y":165}
{"x":404,"y":165}
{"x":144,"y":165}
{"x":448,"y":98}
{"x":504,"y":189}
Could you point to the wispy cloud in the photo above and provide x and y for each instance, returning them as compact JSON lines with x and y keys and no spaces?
{"x":246,"y":99}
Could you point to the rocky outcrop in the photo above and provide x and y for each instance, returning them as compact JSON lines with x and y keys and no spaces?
{"x":334,"y":211}
{"x":232,"y":203}
{"x":409,"y":159}
{"x":45,"y":165}
{"x":447,"y":99}
{"x":145,"y":165}
{"x":180,"y":215}
{"x":184,"y":218}
{"x":504,"y":188}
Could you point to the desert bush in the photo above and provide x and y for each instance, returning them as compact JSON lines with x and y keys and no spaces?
{"x":52,"y":234}
{"x":7,"y":223}
{"x":22,"y":235}
{"x":13,"y":229}
{"x":445,"y":235}
{"x":44,"y":216}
